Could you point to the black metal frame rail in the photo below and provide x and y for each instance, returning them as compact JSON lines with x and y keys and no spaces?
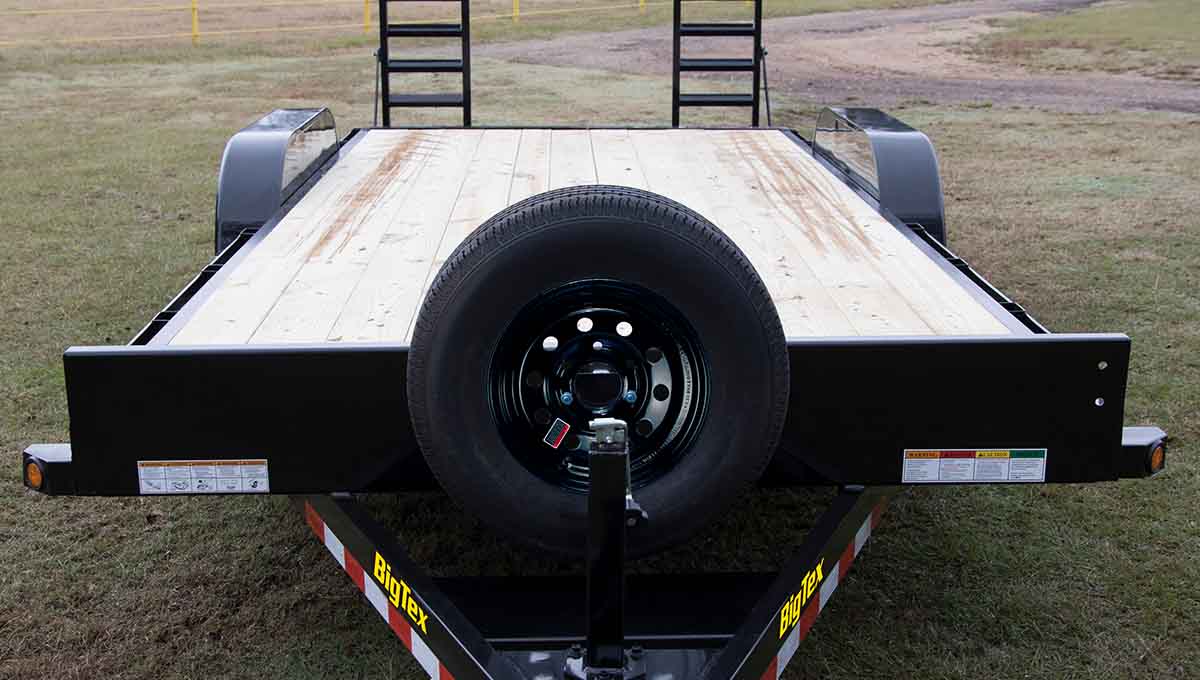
{"x":752,"y":65}
{"x":389,"y":66}
{"x":576,"y":628}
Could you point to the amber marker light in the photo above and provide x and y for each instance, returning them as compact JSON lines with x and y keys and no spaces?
{"x":33,"y":476}
{"x":1158,"y":458}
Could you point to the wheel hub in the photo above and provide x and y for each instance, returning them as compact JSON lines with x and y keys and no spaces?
{"x":599,"y":386}
{"x":597,"y":349}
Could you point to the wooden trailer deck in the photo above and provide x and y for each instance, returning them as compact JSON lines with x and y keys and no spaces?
{"x":352,"y":260}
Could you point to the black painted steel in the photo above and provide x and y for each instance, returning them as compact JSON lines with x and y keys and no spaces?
{"x":893,"y":162}
{"x":598,"y":369}
{"x":715,"y":65}
{"x":344,"y":427}
{"x":265,"y":163}
{"x":753,"y":65}
{"x":436,"y":100}
{"x":462,"y":65}
{"x":716,"y":99}
{"x":752,"y":650}
{"x":334,"y":418}
{"x":527,"y":613}
{"x":425,"y":65}
{"x":1064,"y":393}
{"x":732,"y":29}
{"x":457,"y":644}
{"x":609,"y":463}
{"x":699,"y":625}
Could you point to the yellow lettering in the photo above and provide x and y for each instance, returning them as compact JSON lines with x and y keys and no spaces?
{"x":412,"y":608}
{"x":792,"y":609}
{"x":380,"y":566}
{"x":393,"y":588}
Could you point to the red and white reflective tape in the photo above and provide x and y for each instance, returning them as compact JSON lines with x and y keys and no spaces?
{"x":830,"y":584}
{"x":378,"y":599}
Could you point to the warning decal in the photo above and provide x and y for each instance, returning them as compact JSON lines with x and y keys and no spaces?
{"x":973,"y":466}
{"x":203,"y":476}
{"x":558,"y":430}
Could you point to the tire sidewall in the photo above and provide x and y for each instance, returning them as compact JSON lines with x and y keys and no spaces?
{"x":476,"y":301}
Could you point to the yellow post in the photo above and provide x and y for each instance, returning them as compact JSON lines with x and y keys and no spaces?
{"x":641,"y":6}
{"x":366,"y":17}
{"x":516,"y":11}
{"x":195,"y":22}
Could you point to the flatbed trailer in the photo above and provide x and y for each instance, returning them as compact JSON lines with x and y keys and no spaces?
{"x":286,"y":367}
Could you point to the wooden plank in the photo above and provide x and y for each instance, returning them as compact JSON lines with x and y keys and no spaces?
{"x":942,"y":305}
{"x":532,"y":174}
{"x":391,"y":289}
{"x":617,"y":160}
{"x":485,"y":192}
{"x":816,"y":229}
{"x":235,"y":309}
{"x":317,"y":295}
{"x":352,"y":261}
{"x":571,"y":161}
{"x":688,"y":167}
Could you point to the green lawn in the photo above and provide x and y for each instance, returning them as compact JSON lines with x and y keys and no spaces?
{"x":105,"y":212}
{"x":1153,"y":37}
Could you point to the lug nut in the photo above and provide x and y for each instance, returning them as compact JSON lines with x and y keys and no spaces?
{"x":631,"y":396}
{"x":567,"y":398}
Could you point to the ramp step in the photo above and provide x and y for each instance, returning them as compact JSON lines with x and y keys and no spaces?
{"x":716,"y":64}
{"x":425,"y":100}
{"x":734,"y":28}
{"x":425,"y":66}
{"x":716,"y":100}
{"x":424,"y":30}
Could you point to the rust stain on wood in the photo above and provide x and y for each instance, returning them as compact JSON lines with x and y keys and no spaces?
{"x":356,"y":205}
{"x":813,"y":205}
{"x":824,"y":216}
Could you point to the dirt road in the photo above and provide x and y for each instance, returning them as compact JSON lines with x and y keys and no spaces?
{"x":879,"y":57}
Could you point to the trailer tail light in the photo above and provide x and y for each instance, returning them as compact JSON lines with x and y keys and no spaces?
{"x":33,"y":476}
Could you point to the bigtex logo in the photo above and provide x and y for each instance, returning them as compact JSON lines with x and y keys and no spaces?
{"x":795,"y":604}
{"x":399,"y":594}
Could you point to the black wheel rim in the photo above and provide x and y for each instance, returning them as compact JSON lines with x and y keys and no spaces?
{"x":593,"y":349}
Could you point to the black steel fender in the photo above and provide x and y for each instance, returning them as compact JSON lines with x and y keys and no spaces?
{"x":265,"y":162}
{"x":889,"y":160}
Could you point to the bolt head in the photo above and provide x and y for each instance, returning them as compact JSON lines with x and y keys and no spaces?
{"x":631,"y":396}
{"x":567,"y":398}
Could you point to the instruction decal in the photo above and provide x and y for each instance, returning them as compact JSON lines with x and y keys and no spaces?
{"x":973,"y":466}
{"x":165,"y":477}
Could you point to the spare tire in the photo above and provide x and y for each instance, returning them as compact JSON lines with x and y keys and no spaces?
{"x":587,"y":302}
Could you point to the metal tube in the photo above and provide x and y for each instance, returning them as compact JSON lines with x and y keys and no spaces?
{"x":608,"y":484}
{"x":675,"y":21}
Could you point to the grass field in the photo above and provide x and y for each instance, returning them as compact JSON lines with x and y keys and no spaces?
{"x":1152,"y":37}
{"x":234,"y":23}
{"x":105,"y":212}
